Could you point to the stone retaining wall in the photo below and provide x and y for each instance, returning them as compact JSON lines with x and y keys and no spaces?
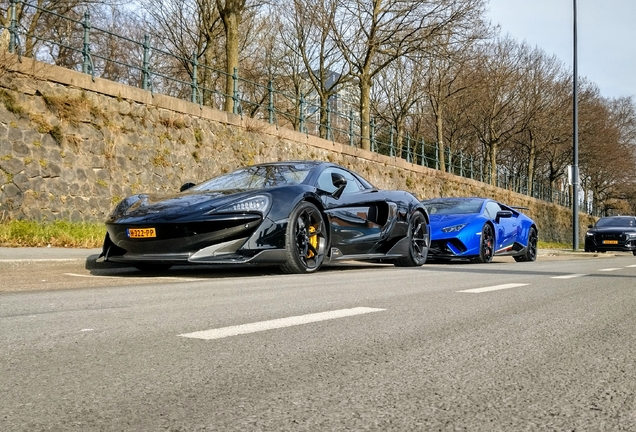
{"x":71,"y":148}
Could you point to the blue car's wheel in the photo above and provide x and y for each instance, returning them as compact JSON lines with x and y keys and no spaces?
{"x":531,"y":250}
{"x":306,"y":240}
{"x":486,"y":245}
{"x":419,"y":243}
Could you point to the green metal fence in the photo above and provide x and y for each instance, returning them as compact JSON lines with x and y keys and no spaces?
{"x":157,"y":70}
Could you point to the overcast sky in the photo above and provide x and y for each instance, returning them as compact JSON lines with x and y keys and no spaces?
{"x":606,"y":36}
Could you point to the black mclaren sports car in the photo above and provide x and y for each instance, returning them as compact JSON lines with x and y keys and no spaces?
{"x":298,"y":215}
{"x":612,"y":233}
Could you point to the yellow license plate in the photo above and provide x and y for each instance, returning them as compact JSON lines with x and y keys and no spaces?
{"x":610,"y":241}
{"x":141,"y":232}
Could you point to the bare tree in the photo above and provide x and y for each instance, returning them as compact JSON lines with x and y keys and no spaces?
{"x":606,"y":160}
{"x":495,"y":113}
{"x":447,"y":57}
{"x":395,"y":95}
{"x":307,"y":32}
{"x":40,"y":20}
{"x":374,"y":33}
{"x":544,"y":99}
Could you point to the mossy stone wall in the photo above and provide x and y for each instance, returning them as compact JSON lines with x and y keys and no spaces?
{"x":71,"y":147}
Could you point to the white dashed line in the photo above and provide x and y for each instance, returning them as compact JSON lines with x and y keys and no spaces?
{"x":494,"y":288}
{"x":633,"y":265}
{"x":277,"y":323}
{"x":609,"y":269}
{"x":568,"y":276}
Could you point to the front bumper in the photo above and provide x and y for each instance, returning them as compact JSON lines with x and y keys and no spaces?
{"x":231,"y":240}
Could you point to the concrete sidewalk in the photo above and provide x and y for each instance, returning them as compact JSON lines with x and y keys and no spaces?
{"x":45,"y":253}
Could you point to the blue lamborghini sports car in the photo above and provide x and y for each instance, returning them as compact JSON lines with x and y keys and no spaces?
{"x":477,"y":229}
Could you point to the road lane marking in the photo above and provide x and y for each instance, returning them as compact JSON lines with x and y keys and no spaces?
{"x":494,"y":288}
{"x":277,"y":323}
{"x":132,"y":277}
{"x":609,"y":269}
{"x":568,"y":276}
{"x":633,"y":265}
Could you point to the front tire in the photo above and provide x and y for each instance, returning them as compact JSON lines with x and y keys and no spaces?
{"x":486,"y":245}
{"x":419,"y":242}
{"x":531,"y":250}
{"x":305,"y":240}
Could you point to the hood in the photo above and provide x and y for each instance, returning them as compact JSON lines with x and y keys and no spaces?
{"x":611,"y":229}
{"x":444,"y":220}
{"x":171,"y":207}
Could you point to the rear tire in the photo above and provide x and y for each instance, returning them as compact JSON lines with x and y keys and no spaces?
{"x":531,"y":250}
{"x":486,"y":245}
{"x":419,"y":242}
{"x":305,"y":240}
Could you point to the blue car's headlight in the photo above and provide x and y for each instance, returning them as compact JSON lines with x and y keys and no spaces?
{"x":454,"y":228}
{"x":631,"y":235}
{"x":257,"y":203}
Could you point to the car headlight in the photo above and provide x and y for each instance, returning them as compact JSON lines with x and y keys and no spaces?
{"x":631,"y":235}
{"x":454,"y":228}
{"x":257,"y":203}
{"x":589,"y":234}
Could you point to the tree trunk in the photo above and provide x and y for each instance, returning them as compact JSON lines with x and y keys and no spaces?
{"x":439,"y":127}
{"x":493,"y":163}
{"x":531,"y":163}
{"x":231,"y":21}
{"x":365,"y":112}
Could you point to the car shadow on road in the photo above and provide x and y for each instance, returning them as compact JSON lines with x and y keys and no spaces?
{"x":209,"y":271}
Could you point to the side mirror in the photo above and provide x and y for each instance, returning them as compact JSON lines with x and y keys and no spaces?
{"x":503,"y":214}
{"x":590,"y":226}
{"x":186,"y":186}
{"x":340,"y":183}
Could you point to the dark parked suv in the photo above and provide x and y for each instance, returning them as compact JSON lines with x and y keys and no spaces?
{"x":612,"y":233}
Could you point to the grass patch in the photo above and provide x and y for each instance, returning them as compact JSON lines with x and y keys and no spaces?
{"x":19,"y":233}
{"x":553,"y":245}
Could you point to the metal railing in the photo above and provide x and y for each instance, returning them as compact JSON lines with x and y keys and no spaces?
{"x":160,"y":71}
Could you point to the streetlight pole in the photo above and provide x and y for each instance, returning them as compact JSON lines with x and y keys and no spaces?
{"x":575,"y":146}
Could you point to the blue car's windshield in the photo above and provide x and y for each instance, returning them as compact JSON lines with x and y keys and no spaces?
{"x":615,"y":222}
{"x":258,"y":177}
{"x":453,"y":206}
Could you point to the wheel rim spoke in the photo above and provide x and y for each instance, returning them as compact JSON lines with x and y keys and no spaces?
{"x":418,"y":240}
{"x":309,"y":232}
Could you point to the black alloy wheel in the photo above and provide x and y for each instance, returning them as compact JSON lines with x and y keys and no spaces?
{"x":419,"y":242}
{"x":306,"y":240}
{"x":487,"y":245}
{"x":531,"y":250}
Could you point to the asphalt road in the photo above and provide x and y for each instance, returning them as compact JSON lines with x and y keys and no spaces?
{"x":504,"y":346}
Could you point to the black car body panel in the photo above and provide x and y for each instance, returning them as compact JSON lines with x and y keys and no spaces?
{"x":250,"y":225}
{"x":612,"y":233}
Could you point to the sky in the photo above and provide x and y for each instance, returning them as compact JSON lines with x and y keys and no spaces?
{"x":606,"y":36}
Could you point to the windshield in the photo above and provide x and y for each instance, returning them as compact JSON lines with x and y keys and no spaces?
{"x":616,"y":222}
{"x":453,"y":206}
{"x":258,"y":177}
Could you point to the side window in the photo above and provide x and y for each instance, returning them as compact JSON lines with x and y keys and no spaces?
{"x":492,"y":208}
{"x":325,"y":183}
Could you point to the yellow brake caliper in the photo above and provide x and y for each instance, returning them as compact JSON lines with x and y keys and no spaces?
{"x":313,"y":240}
